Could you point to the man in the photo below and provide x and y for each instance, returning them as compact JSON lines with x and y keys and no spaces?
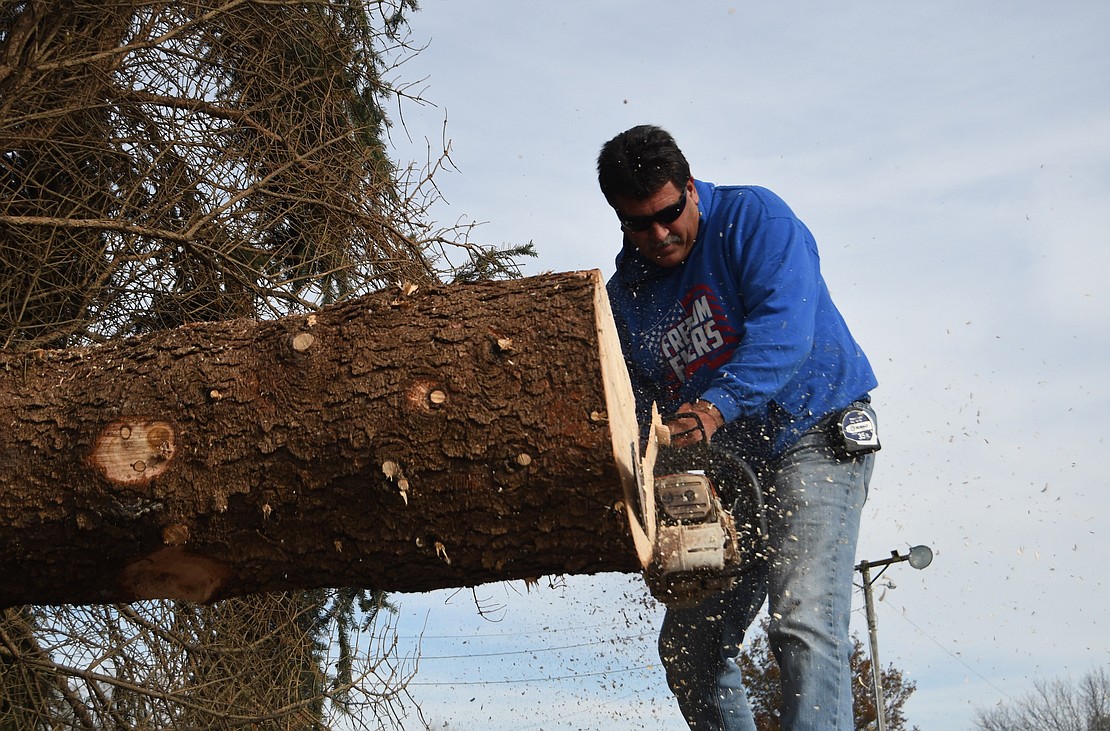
{"x":728,"y":325}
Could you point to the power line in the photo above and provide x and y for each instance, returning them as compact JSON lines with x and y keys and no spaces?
{"x":948,"y":652}
{"x":513,"y":681}
{"x":540,"y":631}
{"x":621,"y":700}
{"x":535,"y":651}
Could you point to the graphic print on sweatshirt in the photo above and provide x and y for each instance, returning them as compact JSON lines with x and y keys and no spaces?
{"x":695,"y":334}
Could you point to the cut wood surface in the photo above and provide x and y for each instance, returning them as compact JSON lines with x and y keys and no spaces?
{"x":405,"y":441}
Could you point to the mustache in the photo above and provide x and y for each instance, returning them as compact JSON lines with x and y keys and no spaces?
{"x":671,"y":239}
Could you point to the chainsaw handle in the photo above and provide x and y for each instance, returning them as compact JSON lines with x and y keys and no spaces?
{"x":699,"y":426}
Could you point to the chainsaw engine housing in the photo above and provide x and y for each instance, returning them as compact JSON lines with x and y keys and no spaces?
{"x":691,"y":533}
{"x":695,"y":545}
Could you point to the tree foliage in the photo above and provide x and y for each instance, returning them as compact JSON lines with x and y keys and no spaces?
{"x":762,"y":682}
{"x":166,"y":162}
{"x":265,"y":661}
{"x":1056,"y":705}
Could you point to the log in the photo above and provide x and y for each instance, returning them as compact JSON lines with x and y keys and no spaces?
{"x":410,"y":440}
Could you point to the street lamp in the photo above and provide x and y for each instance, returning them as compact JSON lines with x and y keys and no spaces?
{"x":919,"y":557}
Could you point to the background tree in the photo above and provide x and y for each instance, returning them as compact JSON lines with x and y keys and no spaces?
{"x":169,"y":162}
{"x":763,"y":684}
{"x":1057,"y":705}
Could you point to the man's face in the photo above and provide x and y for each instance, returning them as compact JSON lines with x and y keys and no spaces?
{"x":667,"y":244}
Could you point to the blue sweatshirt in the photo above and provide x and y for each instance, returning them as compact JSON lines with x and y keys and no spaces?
{"x":746,"y":323}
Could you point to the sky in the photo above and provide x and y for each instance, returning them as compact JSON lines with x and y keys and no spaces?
{"x":953,"y":162}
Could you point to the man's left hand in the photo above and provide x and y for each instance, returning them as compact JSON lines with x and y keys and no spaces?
{"x":694,"y":423}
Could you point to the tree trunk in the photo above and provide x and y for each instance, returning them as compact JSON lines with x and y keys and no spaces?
{"x":405,"y":441}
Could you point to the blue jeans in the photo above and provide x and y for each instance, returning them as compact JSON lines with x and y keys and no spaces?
{"x":813,"y":502}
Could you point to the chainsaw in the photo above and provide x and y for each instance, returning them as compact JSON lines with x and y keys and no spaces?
{"x":711,"y":524}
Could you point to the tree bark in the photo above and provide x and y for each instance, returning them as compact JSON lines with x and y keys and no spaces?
{"x":405,"y":441}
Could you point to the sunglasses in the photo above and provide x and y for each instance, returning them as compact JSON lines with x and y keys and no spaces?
{"x":662,"y":216}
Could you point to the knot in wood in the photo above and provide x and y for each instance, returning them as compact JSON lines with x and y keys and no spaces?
{"x":175,"y":534}
{"x":424,"y":395}
{"x":391,"y":469}
{"x":133,"y":451}
{"x":303,"y":341}
{"x":173,"y":573}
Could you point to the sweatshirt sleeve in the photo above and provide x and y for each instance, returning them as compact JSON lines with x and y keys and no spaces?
{"x":776,"y":278}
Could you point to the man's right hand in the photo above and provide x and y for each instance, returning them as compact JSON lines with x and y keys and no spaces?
{"x":694,"y":423}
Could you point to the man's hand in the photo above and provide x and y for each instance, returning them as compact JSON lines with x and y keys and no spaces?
{"x":693,"y":423}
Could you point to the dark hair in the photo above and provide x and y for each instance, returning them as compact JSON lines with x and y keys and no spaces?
{"x":639,"y":161}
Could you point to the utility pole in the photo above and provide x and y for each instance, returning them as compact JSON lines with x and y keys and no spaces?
{"x":919,"y":557}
